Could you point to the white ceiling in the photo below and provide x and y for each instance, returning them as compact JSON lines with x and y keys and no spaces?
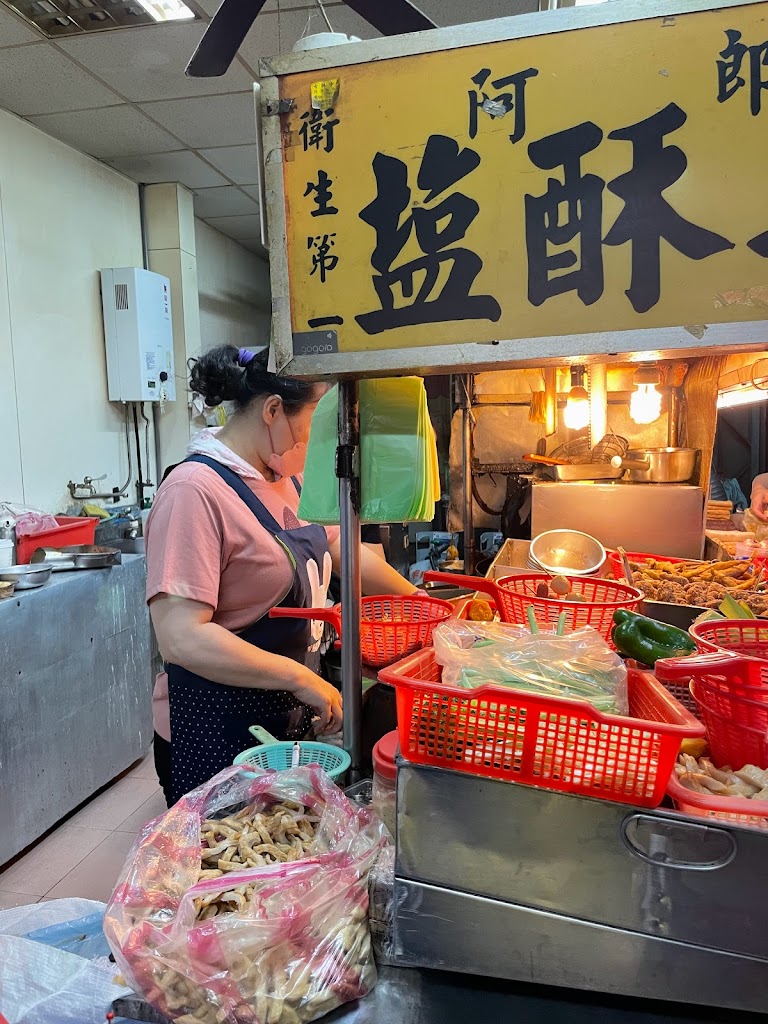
{"x":122,"y":96}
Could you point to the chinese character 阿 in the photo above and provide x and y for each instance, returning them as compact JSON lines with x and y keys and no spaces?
{"x":498,"y":106}
{"x":729,"y":77}
{"x":317,"y":129}
{"x":581,"y":196}
{"x":323,"y":260}
{"x":323,"y":195}
{"x":647,"y":217}
{"x":436,"y":287}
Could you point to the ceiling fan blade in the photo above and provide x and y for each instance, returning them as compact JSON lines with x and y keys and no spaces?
{"x":393,"y":18}
{"x":223,"y":38}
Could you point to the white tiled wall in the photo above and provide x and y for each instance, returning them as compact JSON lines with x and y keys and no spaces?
{"x":64,"y":216}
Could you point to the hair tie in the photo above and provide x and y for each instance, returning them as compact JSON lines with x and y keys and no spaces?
{"x":244,"y":356}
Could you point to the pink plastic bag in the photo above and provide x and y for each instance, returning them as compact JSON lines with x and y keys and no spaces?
{"x":300,"y":948}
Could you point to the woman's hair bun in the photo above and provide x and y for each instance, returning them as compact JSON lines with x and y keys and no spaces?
{"x":220,"y":376}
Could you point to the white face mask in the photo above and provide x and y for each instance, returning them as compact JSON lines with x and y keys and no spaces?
{"x":290,"y":462}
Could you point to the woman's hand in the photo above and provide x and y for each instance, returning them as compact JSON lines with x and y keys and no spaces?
{"x":759,"y":502}
{"x":324,"y":698}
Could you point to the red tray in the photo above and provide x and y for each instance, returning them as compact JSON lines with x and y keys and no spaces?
{"x":553,"y":743}
{"x":72,"y":530}
{"x":617,"y":566}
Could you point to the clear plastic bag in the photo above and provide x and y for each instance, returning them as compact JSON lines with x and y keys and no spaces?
{"x":42,"y":983}
{"x":577,"y":666}
{"x":301,"y":946}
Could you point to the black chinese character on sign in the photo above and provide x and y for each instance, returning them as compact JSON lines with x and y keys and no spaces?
{"x":323,"y":195}
{"x":317,"y":129}
{"x":434,"y":288}
{"x":647,"y":217}
{"x":580,"y":197}
{"x":323,"y":260}
{"x":759,"y":244}
{"x":504,"y":103}
{"x":326,"y":321}
{"x":729,"y":70}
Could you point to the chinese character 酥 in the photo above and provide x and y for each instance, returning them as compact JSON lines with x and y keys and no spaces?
{"x":499,"y":106}
{"x":647,"y":217}
{"x":323,"y":260}
{"x":323,"y":195}
{"x":317,"y":129}
{"x":729,"y":77}
{"x":646,"y":220}
{"x":435,"y":287}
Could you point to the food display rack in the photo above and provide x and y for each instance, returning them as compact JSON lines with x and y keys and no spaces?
{"x":523,"y":884}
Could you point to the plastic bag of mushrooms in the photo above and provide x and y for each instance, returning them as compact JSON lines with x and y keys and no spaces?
{"x":248,"y":901}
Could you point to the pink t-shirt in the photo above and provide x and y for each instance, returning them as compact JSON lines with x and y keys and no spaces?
{"x":204,"y":543}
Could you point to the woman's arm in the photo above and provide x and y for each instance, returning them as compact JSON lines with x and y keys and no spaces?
{"x":759,"y":500}
{"x":378,"y":576}
{"x":187,"y":637}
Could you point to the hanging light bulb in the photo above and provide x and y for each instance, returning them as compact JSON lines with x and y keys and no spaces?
{"x":645,"y":403}
{"x":576,"y":414}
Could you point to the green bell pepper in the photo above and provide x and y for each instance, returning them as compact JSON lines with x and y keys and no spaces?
{"x":647,"y":640}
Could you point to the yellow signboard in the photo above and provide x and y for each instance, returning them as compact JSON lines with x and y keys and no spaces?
{"x":610,"y":178}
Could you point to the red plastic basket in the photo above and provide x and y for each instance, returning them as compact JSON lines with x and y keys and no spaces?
{"x":557,"y":744}
{"x":731,"y":741}
{"x":390,"y":627}
{"x":724,"y":808}
{"x":515,"y":594}
{"x":738,"y":636}
{"x":72,"y":530}
{"x":719,"y":669}
{"x":617,"y":567}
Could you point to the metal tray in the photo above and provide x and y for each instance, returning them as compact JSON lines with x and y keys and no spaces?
{"x":587,"y":471}
{"x":77,"y":556}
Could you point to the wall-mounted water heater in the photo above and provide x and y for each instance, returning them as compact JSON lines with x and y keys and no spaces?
{"x":139,"y":335}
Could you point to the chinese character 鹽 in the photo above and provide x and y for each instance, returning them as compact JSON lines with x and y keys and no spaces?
{"x":435,"y":287}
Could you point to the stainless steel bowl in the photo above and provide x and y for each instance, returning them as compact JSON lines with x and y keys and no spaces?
{"x":26,"y":577}
{"x":568,"y":552}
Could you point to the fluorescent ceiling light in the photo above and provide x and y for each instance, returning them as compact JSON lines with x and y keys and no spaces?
{"x":167,"y":10}
{"x":745,"y":396}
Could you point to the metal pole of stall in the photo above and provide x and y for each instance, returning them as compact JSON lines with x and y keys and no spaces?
{"x":469,"y":517}
{"x":348,"y":472}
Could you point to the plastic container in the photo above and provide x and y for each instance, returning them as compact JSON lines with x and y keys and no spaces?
{"x":736,"y":636}
{"x":513,"y":595}
{"x":557,"y":744}
{"x":385,"y":779}
{"x":724,"y":808}
{"x":72,"y":530}
{"x":7,"y":546}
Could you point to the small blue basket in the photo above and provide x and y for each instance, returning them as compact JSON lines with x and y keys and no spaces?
{"x":279,"y":755}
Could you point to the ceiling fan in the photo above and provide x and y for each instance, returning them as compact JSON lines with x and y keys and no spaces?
{"x":229,"y":27}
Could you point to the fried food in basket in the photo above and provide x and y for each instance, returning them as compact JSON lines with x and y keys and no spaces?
{"x":702,"y":584}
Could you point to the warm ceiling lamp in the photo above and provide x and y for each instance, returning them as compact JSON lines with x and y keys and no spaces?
{"x":576,"y":414}
{"x":645,"y":403}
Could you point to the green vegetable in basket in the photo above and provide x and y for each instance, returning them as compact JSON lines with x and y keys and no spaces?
{"x":647,"y":640}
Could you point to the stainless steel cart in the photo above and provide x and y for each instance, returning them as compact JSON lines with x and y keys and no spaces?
{"x":519,"y":883}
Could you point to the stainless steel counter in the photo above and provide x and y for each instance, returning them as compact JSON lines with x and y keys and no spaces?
{"x":75,"y":694}
{"x":435,"y":997}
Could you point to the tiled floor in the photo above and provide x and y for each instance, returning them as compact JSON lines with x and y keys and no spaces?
{"x":83,"y":857}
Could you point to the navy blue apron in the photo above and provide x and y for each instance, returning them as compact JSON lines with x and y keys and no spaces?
{"x":209,"y":721}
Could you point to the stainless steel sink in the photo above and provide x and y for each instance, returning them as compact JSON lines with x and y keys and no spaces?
{"x":130,"y":545}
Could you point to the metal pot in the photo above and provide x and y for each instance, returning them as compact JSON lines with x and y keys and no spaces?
{"x":659,"y":465}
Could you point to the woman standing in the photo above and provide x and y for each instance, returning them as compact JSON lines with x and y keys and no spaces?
{"x":224,"y":546}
